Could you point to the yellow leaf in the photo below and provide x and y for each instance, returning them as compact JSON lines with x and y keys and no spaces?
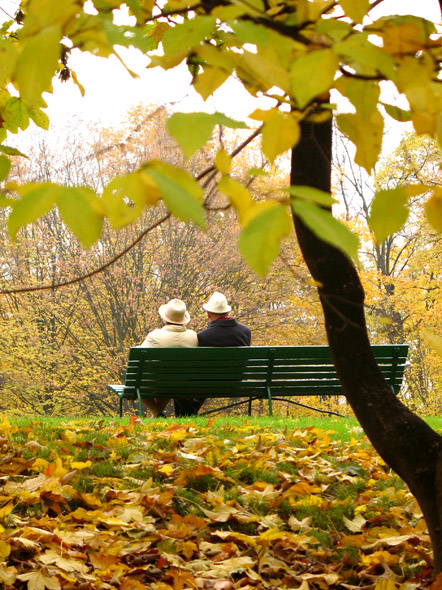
{"x":312,"y":74}
{"x":210,"y":80}
{"x":37,"y":580}
{"x":355,"y":525}
{"x":355,"y":9}
{"x":40,"y":464}
{"x":223,"y":161}
{"x":403,"y":38}
{"x":264,"y":70}
{"x":238,"y":195}
{"x":414,"y":78}
{"x":366,"y":134}
{"x":80,"y":464}
{"x":280,"y":133}
{"x":167,"y":469}
{"x":433,"y":340}
{"x":8,"y":575}
{"x":433,"y":210}
{"x":363,"y":94}
{"x":424,"y":122}
{"x":38,"y":63}
{"x":5,"y":550}
{"x":6,"y":510}
{"x":261,"y":115}
{"x":187,"y":548}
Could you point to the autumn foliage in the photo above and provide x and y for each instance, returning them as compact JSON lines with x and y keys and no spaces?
{"x":95,"y":505}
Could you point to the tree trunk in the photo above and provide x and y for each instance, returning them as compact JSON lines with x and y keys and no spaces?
{"x":404,"y":441}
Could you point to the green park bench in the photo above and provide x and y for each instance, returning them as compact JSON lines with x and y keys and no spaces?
{"x":256,"y":372}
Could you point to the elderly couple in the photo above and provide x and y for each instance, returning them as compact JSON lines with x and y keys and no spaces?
{"x":223,"y":330}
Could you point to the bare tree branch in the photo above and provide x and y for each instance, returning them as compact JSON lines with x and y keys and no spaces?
{"x":92,"y":273}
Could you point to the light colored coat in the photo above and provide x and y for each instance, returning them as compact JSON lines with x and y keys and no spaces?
{"x":171,"y":335}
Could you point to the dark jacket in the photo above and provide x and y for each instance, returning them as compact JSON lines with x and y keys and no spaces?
{"x":225,"y":333}
{"x":219,"y":333}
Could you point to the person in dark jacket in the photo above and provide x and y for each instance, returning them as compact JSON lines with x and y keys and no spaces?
{"x":223,"y":330}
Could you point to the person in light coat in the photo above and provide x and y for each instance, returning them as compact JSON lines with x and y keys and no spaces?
{"x":223,"y":330}
{"x":173,"y":334}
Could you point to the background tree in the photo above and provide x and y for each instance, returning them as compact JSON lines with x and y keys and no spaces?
{"x":61,"y":347}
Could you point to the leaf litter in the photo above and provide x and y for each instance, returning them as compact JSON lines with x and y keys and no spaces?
{"x":92,"y":505}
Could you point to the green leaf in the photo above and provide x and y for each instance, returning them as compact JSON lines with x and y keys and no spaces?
{"x":38,"y":62}
{"x":335,"y":29}
{"x":8,"y":56}
{"x":312,"y":74}
{"x":190,"y":33}
{"x":15,"y":115}
{"x":279,"y":133}
{"x":79,"y":210}
{"x":249,"y":32}
{"x":36,"y":201}
{"x":40,"y":118}
{"x":311,"y":194}
{"x":366,"y":59}
{"x":128,"y":36}
{"x":10,"y":151}
{"x":326,"y":227}
{"x":179,"y":190}
{"x":259,"y":241}
{"x":366,"y":133}
{"x":193,"y":130}
{"x":5,"y":166}
{"x":398,"y":114}
{"x":389,"y":210}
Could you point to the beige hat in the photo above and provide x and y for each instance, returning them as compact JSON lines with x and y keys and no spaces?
{"x":217,"y":304}
{"x":174,"y":312}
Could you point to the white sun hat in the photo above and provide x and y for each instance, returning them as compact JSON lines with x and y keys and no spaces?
{"x":217,"y":304}
{"x":174,"y":312}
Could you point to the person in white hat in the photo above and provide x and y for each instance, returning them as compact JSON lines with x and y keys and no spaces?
{"x":223,"y":330}
{"x":175,"y":334}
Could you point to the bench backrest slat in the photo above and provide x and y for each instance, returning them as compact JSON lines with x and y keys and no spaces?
{"x":294,"y":370}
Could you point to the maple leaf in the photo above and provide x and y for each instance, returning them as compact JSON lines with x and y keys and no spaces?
{"x":40,"y":580}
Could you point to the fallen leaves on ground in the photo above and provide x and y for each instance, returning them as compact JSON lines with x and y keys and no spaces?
{"x":176,"y":507}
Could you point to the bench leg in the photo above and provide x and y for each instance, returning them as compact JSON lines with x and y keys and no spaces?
{"x":250,"y":406}
{"x":269,"y":396}
{"x":121,"y":407}
{"x":140,"y":406}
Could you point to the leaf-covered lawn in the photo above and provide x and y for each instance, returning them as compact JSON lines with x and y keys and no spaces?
{"x":87,"y":505}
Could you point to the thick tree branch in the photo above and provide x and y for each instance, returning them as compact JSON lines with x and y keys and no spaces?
{"x":405,"y":442}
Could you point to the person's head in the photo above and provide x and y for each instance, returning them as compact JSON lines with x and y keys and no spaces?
{"x":217,"y":306}
{"x":174,"y":312}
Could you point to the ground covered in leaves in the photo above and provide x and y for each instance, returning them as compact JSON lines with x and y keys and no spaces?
{"x":91,"y":505}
